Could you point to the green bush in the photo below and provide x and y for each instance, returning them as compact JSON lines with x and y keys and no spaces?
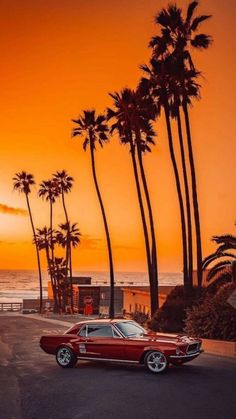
{"x":213,"y":318}
{"x":171,"y":316}
{"x":140,"y":317}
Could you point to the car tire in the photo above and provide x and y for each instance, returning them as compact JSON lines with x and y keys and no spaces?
{"x":65,"y":357}
{"x":156,"y":362}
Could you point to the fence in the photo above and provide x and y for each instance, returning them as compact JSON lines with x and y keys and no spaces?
{"x":10,"y":306}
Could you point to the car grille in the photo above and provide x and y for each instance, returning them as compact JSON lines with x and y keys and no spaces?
{"x":194,"y":347}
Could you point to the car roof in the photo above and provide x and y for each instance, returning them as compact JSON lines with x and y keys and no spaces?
{"x":103,"y":321}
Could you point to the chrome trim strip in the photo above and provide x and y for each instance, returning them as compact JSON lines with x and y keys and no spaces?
{"x":87,"y":358}
{"x":118,"y":331}
{"x":185,"y":356}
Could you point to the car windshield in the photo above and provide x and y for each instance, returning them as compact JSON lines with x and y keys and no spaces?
{"x":129,"y":329}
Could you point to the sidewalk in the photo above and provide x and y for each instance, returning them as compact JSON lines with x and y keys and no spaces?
{"x":59,"y":320}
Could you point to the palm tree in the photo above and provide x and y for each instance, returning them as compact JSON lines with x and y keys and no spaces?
{"x":44,"y":237}
{"x":94,"y":130}
{"x":192,"y":89}
{"x":50,"y":191}
{"x":133,"y":114}
{"x":178,"y":35}
{"x":22,"y":183}
{"x":61,"y":276}
{"x":65,"y":183}
{"x":225,"y":258}
{"x":157,"y":84}
{"x":69,"y":236}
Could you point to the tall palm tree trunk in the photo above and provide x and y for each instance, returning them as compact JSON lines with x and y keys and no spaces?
{"x":179,"y":192}
{"x":38,"y":257}
{"x":112,"y":281}
{"x":194,"y":196}
{"x":71,"y":282}
{"x":53,"y":284}
{"x":52,"y":271}
{"x":189,"y":279}
{"x":151,"y":221}
{"x":68,"y":252}
{"x":153,"y":288}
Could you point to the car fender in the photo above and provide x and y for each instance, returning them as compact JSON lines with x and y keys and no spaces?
{"x":67,"y":344}
{"x":165,"y":351}
{"x":148,"y":349}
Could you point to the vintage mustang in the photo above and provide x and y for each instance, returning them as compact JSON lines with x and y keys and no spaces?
{"x":119,"y":340}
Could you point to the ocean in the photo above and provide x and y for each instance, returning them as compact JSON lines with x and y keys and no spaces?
{"x":15,"y":285}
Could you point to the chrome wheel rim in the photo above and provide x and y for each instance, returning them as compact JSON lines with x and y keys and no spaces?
{"x":156,"y":362}
{"x":64,"y":356}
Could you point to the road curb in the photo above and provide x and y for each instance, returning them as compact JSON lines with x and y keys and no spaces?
{"x":219,"y":347}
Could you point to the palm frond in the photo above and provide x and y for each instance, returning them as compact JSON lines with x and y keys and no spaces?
{"x":85,"y":143}
{"x":201,"y":41}
{"x":226,"y":239}
{"x":192,"y":6}
{"x":217,"y":269}
{"x":196,"y":22}
{"x":209,"y":259}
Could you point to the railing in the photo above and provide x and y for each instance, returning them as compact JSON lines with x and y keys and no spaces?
{"x":10,"y":306}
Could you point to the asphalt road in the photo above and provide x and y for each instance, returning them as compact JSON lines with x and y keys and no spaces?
{"x":33,"y":386}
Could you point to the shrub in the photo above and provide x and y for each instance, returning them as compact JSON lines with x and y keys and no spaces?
{"x":140,"y":317}
{"x":170,"y":317}
{"x":214,"y":317}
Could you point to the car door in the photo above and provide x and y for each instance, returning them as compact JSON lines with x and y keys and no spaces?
{"x":101,"y":341}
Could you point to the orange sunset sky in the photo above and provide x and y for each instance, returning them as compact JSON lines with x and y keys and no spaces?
{"x":59,"y":57}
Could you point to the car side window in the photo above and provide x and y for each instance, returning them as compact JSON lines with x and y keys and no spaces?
{"x":82,"y":331}
{"x":115,"y":333}
{"x":99,"y":331}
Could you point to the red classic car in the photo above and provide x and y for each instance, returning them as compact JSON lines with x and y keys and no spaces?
{"x":119,"y":340}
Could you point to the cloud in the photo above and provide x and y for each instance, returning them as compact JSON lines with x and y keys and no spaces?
{"x":124,"y":247}
{"x":88,"y":242}
{"x":5,"y":209}
{"x":91,"y":243}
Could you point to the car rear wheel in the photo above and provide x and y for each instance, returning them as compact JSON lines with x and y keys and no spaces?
{"x":156,"y":361}
{"x":65,"y":357}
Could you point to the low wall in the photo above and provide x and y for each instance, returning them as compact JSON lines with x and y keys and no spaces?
{"x":219,"y":347}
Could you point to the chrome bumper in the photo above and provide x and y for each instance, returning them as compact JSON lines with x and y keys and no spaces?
{"x":186,"y":356}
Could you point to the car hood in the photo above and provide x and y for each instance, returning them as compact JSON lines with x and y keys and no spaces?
{"x":166,"y":338}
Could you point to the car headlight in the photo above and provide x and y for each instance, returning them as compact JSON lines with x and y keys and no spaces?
{"x":178,"y":351}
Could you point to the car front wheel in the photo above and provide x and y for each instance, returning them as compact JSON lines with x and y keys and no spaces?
{"x":65,"y":357}
{"x":156,"y":361}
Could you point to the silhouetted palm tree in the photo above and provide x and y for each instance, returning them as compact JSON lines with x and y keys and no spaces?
{"x":69,"y":236}
{"x":50,"y":191}
{"x":94,"y":130}
{"x":44,"y":237}
{"x":61,"y":276}
{"x":224,"y":257}
{"x":175,"y":93}
{"x":178,"y":35}
{"x":133,"y":114}
{"x":158,"y":85}
{"x":22,"y":183}
{"x":65,"y":183}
